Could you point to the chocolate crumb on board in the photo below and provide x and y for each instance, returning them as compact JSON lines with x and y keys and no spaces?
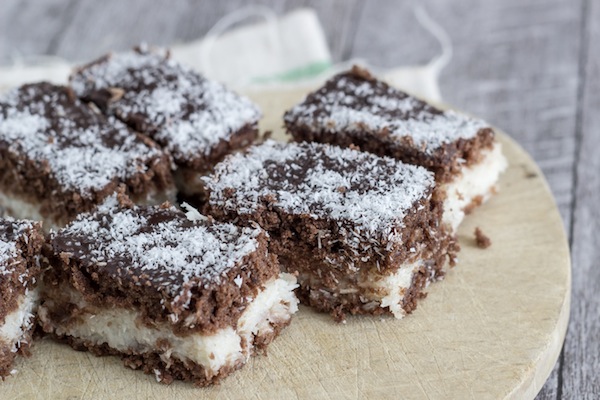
{"x":483,"y":241}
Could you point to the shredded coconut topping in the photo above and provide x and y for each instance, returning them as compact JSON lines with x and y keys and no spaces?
{"x":162,"y":244}
{"x":179,"y":108}
{"x":82,"y":150}
{"x":8,"y":250}
{"x":10,"y":231}
{"x":353,"y":102}
{"x":369,"y":193}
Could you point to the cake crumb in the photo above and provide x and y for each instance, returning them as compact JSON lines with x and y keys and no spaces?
{"x":483,"y":242}
{"x":266,"y":136}
{"x":362,"y":73}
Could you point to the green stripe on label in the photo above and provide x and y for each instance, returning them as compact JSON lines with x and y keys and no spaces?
{"x":307,"y":71}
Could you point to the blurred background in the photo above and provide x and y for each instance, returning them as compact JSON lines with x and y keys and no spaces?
{"x":530,"y":67}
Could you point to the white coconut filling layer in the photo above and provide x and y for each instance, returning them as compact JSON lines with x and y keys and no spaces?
{"x":389,"y":290}
{"x":118,"y":329}
{"x":19,"y":322}
{"x":478,"y":180}
{"x":374,"y":290}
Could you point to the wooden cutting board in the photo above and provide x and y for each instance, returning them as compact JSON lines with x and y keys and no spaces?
{"x":492,"y":329}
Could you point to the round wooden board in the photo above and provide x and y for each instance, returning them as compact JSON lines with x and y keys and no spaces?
{"x":493,"y":328}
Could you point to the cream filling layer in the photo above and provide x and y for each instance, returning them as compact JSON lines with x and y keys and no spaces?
{"x":374,"y":290}
{"x":389,"y":290}
{"x":19,"y":322}
{"x":475,"y":181}
{"x":118,"y":329}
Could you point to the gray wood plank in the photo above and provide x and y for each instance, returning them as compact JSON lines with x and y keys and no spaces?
{"x":388,"y":35}
{"x":98,"y":27}
{"x":202,"y":15}
{"x":8,"y":10}
{"x":550,"y":390}
{"x":581,"y":369}
{"x":28,"y":27}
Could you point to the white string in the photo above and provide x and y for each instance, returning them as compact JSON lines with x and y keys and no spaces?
{"x":438,"y":63}
{"x":423,"y":80}
{"x":235,"y":17}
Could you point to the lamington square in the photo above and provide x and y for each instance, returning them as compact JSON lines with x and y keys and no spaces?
{"x":20,"y":248}
{"x":176,"y":295}
{"x":59,"y":157}
{"x":356,"y":109}
{"x":197,"y":120}
{"x":363,"y":232}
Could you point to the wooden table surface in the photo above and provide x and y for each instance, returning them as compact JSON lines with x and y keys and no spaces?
{"x":530,"y":67}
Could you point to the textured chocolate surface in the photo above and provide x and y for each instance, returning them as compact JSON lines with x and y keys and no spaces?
{"x":364,"y":195}
{"x":50,"y":142}
{"x":354,"y":108}
{"x":163,"y":264}
{"x":10,"y":232}
{"x":192,"y":117}
{"x":481,"y":239}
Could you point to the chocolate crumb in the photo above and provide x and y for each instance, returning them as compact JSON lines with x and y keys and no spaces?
{"x":483,"y":242}
{"x":361,"y":72}
{"x":266,"y":136}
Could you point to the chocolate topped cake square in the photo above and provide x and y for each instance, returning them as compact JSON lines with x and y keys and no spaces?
{"x":197,"y":120}
{"x":356,"y":109}
{"x":20,"y":247}
{"x":177,"y":295}
{"x":362,"y":231}
{"x":58,"y":157}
